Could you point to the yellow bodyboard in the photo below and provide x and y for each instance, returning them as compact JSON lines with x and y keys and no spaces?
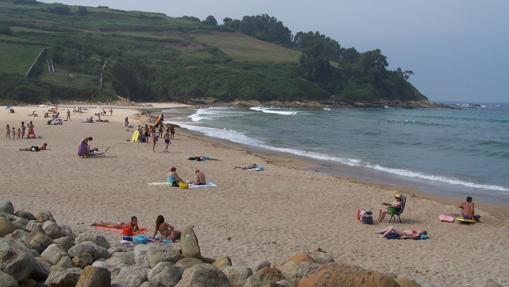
{"x":136,"y":135}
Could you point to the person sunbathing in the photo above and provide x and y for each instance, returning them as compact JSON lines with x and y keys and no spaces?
{"x":252,"y":166}
{"x":394,"y":207}
{"x":35,"y":148}
{"x":200,"y":178}
{"x":166,"y":230}
{"x":392,"y":233}
{"x":119,"y":225}
{"x":173,"y":178}
{"x":467,"y":210}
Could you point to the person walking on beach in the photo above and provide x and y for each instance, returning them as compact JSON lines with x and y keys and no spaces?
{"x":147,"y":134}
{"x":172,"y":131}
{"x":154,"y":138}
{"x":68,"y":118}
{"x":111,"y":111}
{"x":467,"y":209}
{"x":8,"y":132}
{"x":126,"y":122}
{"x":23,"y":130}
{"x":167,"y":140}
{"x":161,"y":129}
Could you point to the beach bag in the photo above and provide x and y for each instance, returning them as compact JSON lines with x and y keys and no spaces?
{"x":183,"y":185}
{"x":141,"y":239}
{"x":446,"y":218}
{"x":367,"y":218}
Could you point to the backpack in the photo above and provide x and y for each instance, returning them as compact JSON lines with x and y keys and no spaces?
{"x":367,"y":218}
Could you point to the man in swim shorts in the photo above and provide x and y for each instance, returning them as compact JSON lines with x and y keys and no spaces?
{"x":467,"y":209}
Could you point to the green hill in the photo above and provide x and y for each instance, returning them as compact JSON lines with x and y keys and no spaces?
{"x":54,"y":52}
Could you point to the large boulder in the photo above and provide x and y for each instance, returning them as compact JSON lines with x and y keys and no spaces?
{"x":20,"y":222}
{"x":237,"y":275}
{"x":203,"y":275}
{"x":41,"y":269}
{"x":189,"y":243}
{"x":65,"y":262}
{"x":264,"y":277}
{"x":148,"y":284}
{"x":223,"y":262}
{"x":6,"y":206}
{"x":117,"y":258}
{"x":295,"y":271}
{"x":188,"y":262}
{"x":162,"y":253}
{"x":53,"y":230}
{"x":90,"y":248}
{"x":33,"y":224}
{"x":18,"y":235}
{"x":140,"y":255}
{"x":343,"y":275}
{"x":15,"y":262}
{"x":129,"y":276}
{"x":64,"y":243}
{"x":63,"y":278}
{"x":37,"y":239}
{"x":7,"y":280}
{"x":53,"y":253}
{"x":94,"y":237}
{"x":300,"y":257}
{"x":45,"y":216}
{"x":94,"y":277}
{"x":25,"y":214}
{"x":165,"y":274}
{"x":82,"y":260}
{"x":6,"y":227}
{"x":68,"y":232}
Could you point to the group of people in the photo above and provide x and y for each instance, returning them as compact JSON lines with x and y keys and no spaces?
{"x":175,"y":180}
{"x":155,"y":132}
{"x":21,"y":132}
{"x":467,"y":210}
{"x":164,"y":229}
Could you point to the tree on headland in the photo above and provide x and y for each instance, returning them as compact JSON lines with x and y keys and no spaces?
{"x":210,"y":20}
{"x":263,"y":27}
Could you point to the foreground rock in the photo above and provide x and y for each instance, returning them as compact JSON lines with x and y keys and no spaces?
{"x":94,"y":277}
{"x":63,"y":278}
{"x":203,"y":275}
{"x":17,"y":263}
{"x":189,"y":243}
{"x":264,"y":277}
{"x":343,"y":275}
{"x":165,"y":274}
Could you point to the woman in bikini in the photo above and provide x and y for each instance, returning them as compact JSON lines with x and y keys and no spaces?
{"x":166,"y":230}
{"x":119,"y":225}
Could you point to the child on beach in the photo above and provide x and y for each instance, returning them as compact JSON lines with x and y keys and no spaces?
{"x":200,"y":178}
{"x":8,"y":132}
{"x":23,"y":130}
{"x":19,"y":133}
{"x":166,"y":230}
{"x":13,"y":133}
{"x":467,"y":210}
{"x":167,"y":140}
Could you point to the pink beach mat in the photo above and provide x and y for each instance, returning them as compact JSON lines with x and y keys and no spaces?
{"x":117,"y":230}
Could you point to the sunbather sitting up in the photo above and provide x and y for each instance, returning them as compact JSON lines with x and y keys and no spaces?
{"x":173,"y":178}
{"x":467,"y":209}
{"x":166,"y":230}
{"x":396,"y":206}
{"x":35,"y":148}
{"x":200,"y":178}
{"x":392,"y":233}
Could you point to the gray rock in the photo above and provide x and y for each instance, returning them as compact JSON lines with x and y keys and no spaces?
{"x":82,"y":260}
{"x":162,"y":253}
{"x":260,"y":265}
{"x":20,"y":222}
{"x":129,"y":276}
{"x":53,"y":253}
{"x":188,"y":262}
{"x":37,"y":239}
{"x":94,"y":277}
{"x":165,"y":274}
{"x":65,"y":262}
{"x":264,"y":277}
{"x":94,"y":237}
{"x":18,"y":235}
{"x":491,"y":283}
{"x":24,"y":214}
{"x":148,"y":284}
{"x":28,"y":283}
{"x":17,"y":263}
{"x":90,"y":248}
{"x":294,"y":272}
{"x":7,"y":280}
{"x":68,"y":232}
{"x":6,"y":227}
{"x":223,"y":262}
{"x":140,"y":255}
{"x":45,"y":216}
{"x":189,"y":243}
{"x":117,"y":258}
{"x":41,"y":269}
{"x":118,"y":247}
{"x":63,"y":278}
{"x":203,"y":275}
{"x":33,"y":224}
{"x":6,"y":206}
{"x":64,"y":243}
{"x":283,"y":283}
{"x":100,"y":264}
{"x":237,"y":275}
{"x":53,"y":230}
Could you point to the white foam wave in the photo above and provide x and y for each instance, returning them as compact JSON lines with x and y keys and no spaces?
{"x":238,"y":137}
{"x":273,"y":111}
{"x":214,"y":112}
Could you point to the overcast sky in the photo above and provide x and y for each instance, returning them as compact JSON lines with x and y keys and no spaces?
{"x":458,"y":49}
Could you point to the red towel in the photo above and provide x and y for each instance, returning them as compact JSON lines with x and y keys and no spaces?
{"x":116,"y":230}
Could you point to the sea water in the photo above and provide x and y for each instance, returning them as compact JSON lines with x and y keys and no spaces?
{"x":463,"y":150}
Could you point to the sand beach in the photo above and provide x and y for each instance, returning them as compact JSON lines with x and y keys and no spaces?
{"x":250,"y":215}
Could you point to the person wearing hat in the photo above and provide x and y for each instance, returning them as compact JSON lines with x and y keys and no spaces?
{"x":173,"y":178}
{"x":396,"y":206}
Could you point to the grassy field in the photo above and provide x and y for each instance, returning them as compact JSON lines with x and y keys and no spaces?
{"x":17,"y":58}
{"x":244,"y":48}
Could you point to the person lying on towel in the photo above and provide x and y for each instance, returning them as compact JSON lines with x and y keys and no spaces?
{"x":119,"y":225}
{"x":392,"y":233}
{"x":35,"y":148}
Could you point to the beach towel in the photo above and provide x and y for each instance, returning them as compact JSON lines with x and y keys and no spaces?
{"x":119,"y":230}
{"x":446,"y":218}
{"x":209,"y":184}
{"x":258,"y":168}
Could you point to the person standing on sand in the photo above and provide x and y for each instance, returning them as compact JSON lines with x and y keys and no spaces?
{"x":19,"y":133}
{"x":31,"y":130}
{"x":167,"y":140}
{"x":147,"y":134}
{"x":23,"y":130}
{"x":154,"y":138}
{"x":126,"y":122}
{"x":13,"y":133}
{"x":172,"y":131}
{"x":8,"y":132}
{"x":111,"y":111}
{"x":68,"y":115}
{"x":467,"y":210}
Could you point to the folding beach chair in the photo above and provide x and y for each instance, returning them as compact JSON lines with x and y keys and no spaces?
{"x":395,"y":214}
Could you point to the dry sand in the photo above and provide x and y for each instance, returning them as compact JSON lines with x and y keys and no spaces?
{"x":267,"y":215}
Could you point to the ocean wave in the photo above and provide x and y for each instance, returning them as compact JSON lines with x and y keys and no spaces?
{"x":238,"y":137}
{"x":213,"y":113}
{"x":273,"y":111}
